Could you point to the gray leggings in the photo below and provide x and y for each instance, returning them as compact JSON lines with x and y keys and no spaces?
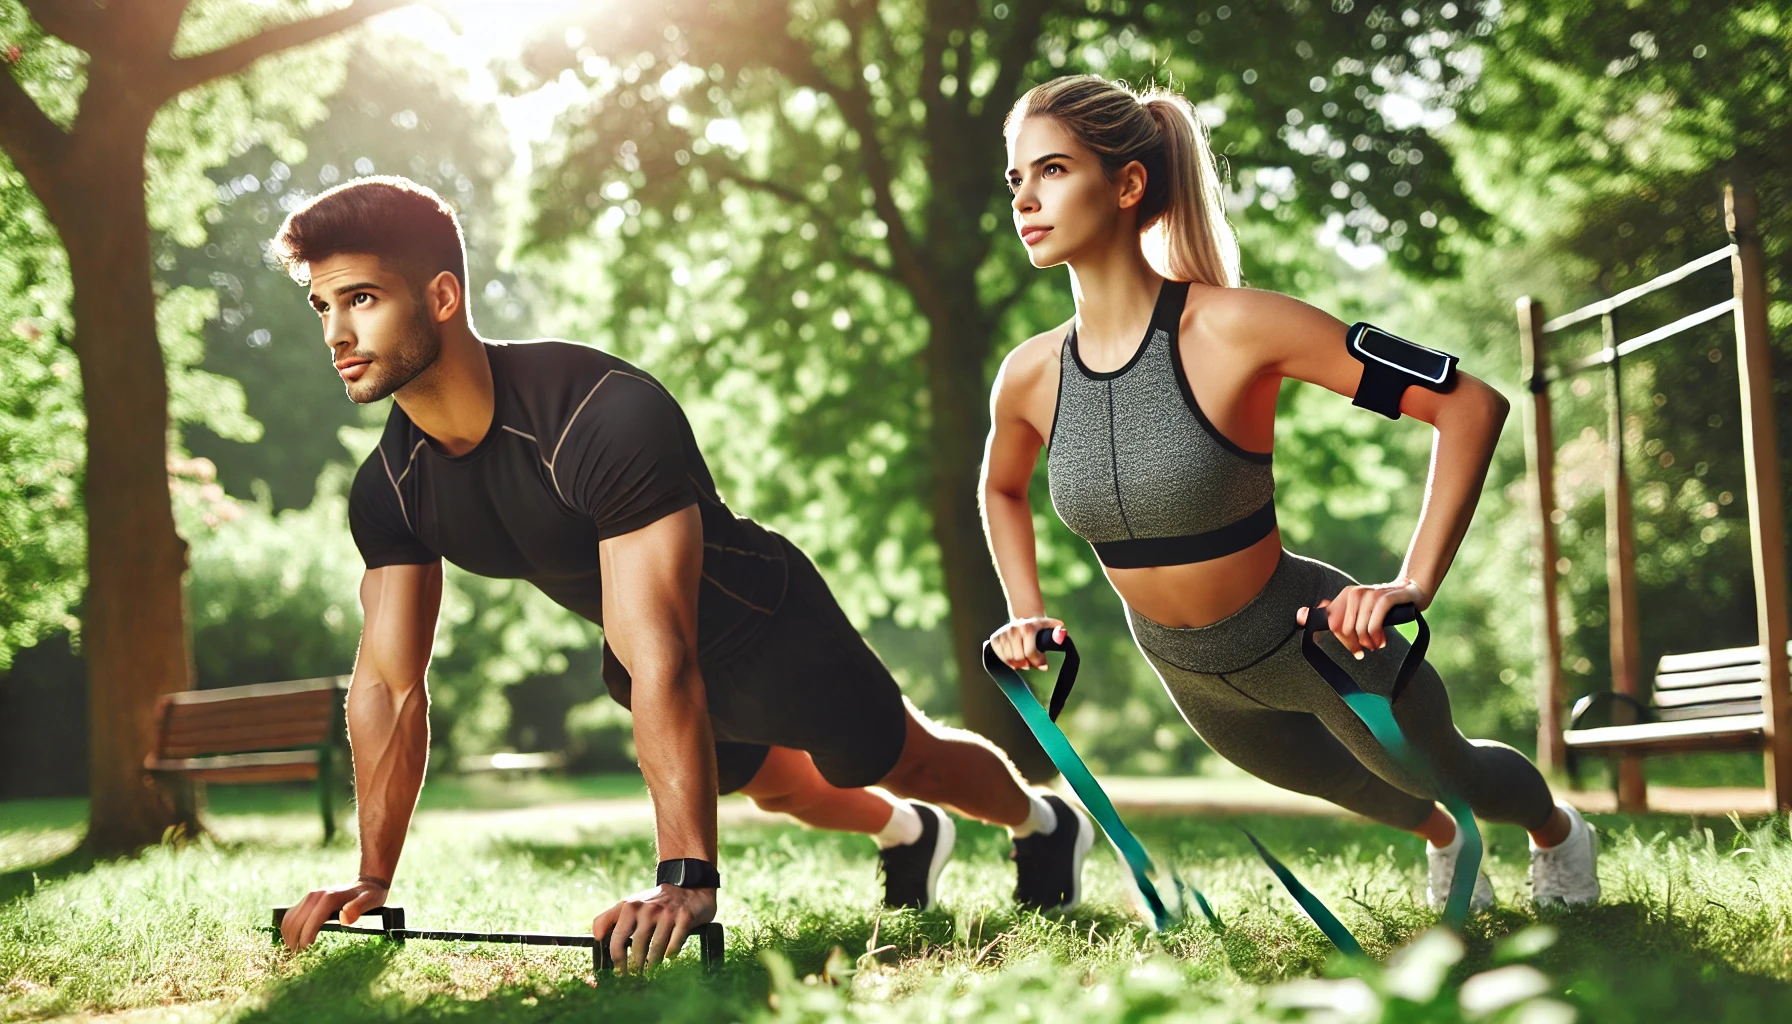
{"x":1244,"y":687}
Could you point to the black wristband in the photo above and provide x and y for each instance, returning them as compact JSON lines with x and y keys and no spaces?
{"x":384,"y":883}
{"x":689,"y":873}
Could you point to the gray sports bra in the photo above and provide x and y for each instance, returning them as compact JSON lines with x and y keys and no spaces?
{"x":1138,"y":471}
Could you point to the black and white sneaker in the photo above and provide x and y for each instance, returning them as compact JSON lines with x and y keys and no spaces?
{"x":912,"y":871}
{"x":1049,"y":865}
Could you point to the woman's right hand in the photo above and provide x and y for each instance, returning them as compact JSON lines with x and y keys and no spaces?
{"x":1017,"y":643}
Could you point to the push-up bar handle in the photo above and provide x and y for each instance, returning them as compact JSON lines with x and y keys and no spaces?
{"x":710,"y":937}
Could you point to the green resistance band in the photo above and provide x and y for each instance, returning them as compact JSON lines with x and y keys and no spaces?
{"x":1378,"y":714}
{"x":1089,"y":791}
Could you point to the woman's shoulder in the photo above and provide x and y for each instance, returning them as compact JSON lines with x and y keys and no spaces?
{"x":1032,"y":359}
{"x":1249,"y":315}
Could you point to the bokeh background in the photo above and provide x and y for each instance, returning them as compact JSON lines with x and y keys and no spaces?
{"x":793,"y":214}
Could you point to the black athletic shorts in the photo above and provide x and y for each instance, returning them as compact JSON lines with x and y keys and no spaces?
{"x":807,"y":681}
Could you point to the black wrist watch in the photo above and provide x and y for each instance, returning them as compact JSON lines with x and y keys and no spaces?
{"x":689,"y":873}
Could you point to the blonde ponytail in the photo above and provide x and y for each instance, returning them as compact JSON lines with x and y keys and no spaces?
{"x":1194,"y":239}
{"x":1182,"y":216}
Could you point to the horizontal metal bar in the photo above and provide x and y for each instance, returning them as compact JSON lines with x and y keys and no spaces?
{"x":1642,"y":341}
{"x":1604,"y":306}
{"x":511,"y":938}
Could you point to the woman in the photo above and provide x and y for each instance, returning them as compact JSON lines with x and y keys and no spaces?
{"x":1159,"y":455}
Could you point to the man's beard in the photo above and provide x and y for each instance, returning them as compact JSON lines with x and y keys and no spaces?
{"x":415,"y":352}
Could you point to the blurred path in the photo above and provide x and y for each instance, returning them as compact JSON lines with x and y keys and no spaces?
{"x":1131,"y":794}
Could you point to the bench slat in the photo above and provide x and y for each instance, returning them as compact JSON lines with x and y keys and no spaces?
{"x":1707,"y":694}
{"x":259,"y":690}
{"x":1698,"y":660}
{"x":253,"y":743}
{"x":1720,"y":709}
{"x":312,"y":703}
{"x":255,"y":760}
{"x":1749,"y":673}
{"x":1731,"y":732}
{"x":249,"y":717}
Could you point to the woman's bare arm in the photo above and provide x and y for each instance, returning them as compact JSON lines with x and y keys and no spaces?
{"x":1287,"y":338}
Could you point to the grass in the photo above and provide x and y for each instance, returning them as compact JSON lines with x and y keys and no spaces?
{"x":1696,"y":925}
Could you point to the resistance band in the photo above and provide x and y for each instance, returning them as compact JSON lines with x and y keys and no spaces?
{"x":1058,"y":748}
{"x":1378,"y":714}
{"x":1375,"y":712}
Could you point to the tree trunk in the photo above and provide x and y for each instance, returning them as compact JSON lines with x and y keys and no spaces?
{"x":134,"y":630}
{"x":958,"y":421}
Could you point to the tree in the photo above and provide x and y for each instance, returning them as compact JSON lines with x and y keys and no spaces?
{"x":824,"y":178}
{"x":85,"y":156}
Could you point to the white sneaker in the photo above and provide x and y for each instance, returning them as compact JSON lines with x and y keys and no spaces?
{"x":1442,"y":864}
{"x":1567,"y":873}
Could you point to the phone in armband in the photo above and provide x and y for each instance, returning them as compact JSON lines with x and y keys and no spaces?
{"x":1391,"y":364}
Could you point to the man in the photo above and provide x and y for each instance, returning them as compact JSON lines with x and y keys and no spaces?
{"x":565,"y":466}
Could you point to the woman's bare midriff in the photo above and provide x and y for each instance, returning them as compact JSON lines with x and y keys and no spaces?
{"x":1200,"y":593}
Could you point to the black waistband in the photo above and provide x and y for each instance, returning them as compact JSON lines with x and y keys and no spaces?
{"x":1145,"y":552}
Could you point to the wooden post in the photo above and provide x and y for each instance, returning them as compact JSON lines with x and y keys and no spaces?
{"x":1620,"y":573}
{"x":1540,"y":466}
{"x":1760,"y":454}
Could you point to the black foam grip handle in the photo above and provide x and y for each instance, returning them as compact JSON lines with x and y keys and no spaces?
{"x":1399,"y":615}
{"x":1339,"y":680}
{"x":1067,"y":674}
{"x":711,"y":940}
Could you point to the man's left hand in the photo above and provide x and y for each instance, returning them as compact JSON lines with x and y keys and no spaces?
{"x":658,"y":920}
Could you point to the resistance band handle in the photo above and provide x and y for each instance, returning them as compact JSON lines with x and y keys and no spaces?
{"x":1046,"y":641}
{"x":1398,"y":615}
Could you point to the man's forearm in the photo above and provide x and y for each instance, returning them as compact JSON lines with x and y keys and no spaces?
{"x":388,"y":731}
{"x":678,"y":759}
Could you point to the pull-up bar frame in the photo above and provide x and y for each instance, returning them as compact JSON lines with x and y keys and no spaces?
{"x":1748,"y":305}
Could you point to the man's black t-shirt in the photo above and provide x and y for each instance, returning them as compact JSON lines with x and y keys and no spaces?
{"x":583,"y":447}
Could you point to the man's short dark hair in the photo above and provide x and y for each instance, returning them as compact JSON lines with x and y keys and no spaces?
{"x":408,"y":226}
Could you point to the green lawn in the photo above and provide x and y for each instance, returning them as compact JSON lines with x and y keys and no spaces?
{"x":1696,"y":925}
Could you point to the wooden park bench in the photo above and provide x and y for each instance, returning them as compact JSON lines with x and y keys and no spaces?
{"x":268,"y":732}
{"x":1702,"y":702}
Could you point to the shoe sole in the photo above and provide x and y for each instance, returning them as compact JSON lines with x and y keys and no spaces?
{"x":942,"y":852}
{"x":1085,"y":841}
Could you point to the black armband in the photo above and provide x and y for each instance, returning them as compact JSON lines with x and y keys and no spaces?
{"x":689,"y":873}
{"x":1392,"y":364}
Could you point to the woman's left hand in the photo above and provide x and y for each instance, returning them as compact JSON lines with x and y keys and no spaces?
{"x":1356,"y":614}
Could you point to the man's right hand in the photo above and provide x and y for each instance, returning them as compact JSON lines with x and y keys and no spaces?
{"x":301,"y":924}
{"x":1017,"y":643}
